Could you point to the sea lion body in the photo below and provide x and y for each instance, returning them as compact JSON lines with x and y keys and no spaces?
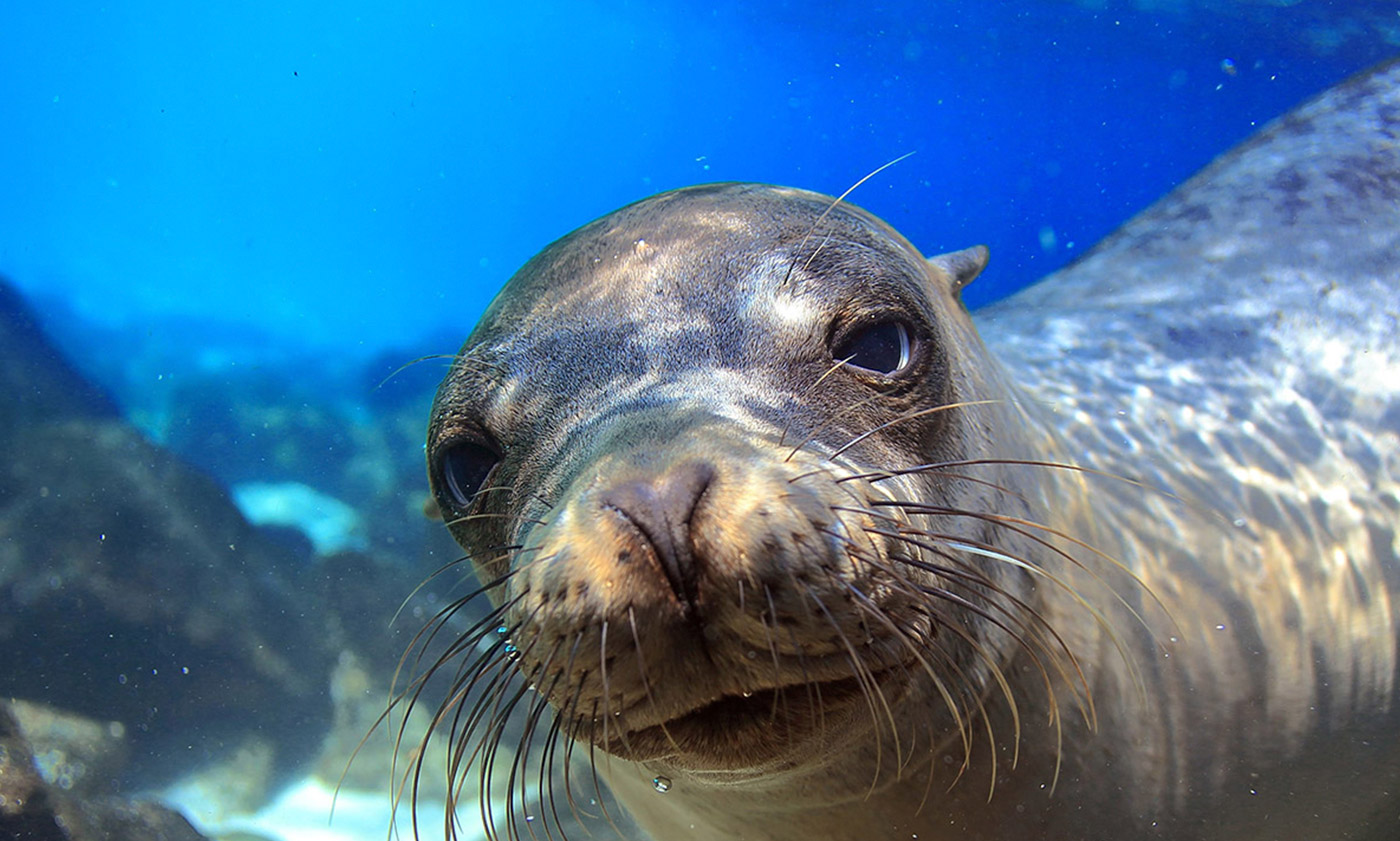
{"x":794,"y":556}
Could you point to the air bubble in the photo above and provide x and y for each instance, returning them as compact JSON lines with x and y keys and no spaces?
{"x":661,"y":784}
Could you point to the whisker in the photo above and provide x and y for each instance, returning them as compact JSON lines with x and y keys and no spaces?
{"x":1062,"y":465}
{"x":779,"y":695}
{"x":642,"y":673}
{"x":413,"y":691}
{"x":565,"y":721}
{"x":808,"y":389}
{"x":1020,"y":635}
{"x":881,"y":475}
{"x":814,"y":704}
{"x":830,"y":420}
{"x":484,"y":515}
{"x":1085,"y":700}
{"x":487,"y":746}
{"x":411,"y":363}
{"x":870,"y":689}
{"x":593,"y":765}
{"x":425,"y":582}
{"x":521,"y":759}
{"x":1012,"y":524}
{"x":962,"y":728}
{"x":835,"y":202}
{"x":921,"y":413}
{"x":607,"y":694}
{"x":870,"y":608}
{"x":544,"y":785}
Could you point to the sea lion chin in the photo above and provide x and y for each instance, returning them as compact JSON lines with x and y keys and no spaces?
{"x":789,"y":554}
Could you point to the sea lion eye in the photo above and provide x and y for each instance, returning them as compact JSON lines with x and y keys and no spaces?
{"x":465,"y":467}
{"x":884,"y":348}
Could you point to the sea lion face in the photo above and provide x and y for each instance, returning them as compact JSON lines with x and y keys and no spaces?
{"x":689,"y":447}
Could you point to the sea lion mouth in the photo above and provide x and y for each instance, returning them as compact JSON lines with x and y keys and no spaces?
{"x":768,"y":704}
{"x":734,"y":730}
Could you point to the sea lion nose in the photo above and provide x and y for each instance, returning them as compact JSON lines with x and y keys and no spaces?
{"x":661,"y":510}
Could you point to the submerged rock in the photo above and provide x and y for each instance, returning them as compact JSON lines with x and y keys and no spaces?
{"x":35,"y":810}
{"x":328,"y":523}
{"x":132,"y":590}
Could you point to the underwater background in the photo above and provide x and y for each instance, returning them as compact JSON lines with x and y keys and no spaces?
{"x":238,"y":222}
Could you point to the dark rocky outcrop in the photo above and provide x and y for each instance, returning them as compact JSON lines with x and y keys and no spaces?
{"x":38,"y":383}
{"x":131,"y":589}
{"x":34,"y":810}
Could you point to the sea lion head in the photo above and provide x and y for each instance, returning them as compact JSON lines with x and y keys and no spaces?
{"x":727,"y":462}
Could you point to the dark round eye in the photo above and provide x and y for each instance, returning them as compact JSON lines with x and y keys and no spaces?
{"x":885,"y":348}
{"x":465,"y":467}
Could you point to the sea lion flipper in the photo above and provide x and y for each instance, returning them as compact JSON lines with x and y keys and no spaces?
{"x":963,"y":266}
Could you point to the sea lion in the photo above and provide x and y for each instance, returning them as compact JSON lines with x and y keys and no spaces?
{"x":793,"y":553}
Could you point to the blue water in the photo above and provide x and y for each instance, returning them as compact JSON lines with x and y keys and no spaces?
{"x":192,"y":182}
{"x":239,"y":217}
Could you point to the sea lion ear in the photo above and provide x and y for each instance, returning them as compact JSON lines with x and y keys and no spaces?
{"x":962,"y":267}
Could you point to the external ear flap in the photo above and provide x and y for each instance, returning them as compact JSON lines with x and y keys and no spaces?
{"x":962,"y":267}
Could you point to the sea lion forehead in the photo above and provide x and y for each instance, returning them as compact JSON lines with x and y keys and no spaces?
{"x":694,"y":257}
{"x":727,"y":277}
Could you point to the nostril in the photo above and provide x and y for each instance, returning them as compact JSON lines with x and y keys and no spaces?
{"x":661,"y":510}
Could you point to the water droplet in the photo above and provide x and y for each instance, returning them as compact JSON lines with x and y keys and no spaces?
{"x":661,"y":784}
